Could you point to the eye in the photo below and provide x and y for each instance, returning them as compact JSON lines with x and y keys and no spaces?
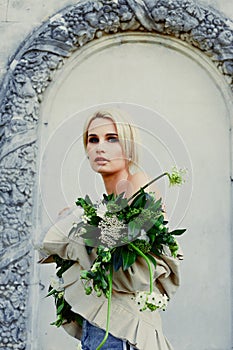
{"x":93,"y":139}
{"x":113,"y":139}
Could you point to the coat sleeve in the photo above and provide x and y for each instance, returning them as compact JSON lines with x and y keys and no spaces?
{"x":58,"y":242}
{"x":167,"y":275}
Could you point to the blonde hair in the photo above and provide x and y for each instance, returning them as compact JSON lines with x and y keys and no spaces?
{"x":127,"y":133}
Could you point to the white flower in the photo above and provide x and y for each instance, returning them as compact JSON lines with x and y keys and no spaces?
{"x":143,"y":236}
{"x":154,"y":299}
{"x":75,"y":225}
{"x":158,"y":300}
{"x":101,"y":210}
{"x":141,"y":296}
{"x":85,"y":218}
{"x":165,"y":300}
{"x":141,"y":299}
{"x":112,"y":231}
{"x":151,"y":301}
{"x":57,"y":283}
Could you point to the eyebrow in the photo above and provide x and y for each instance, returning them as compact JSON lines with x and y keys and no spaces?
{"x":108,"y":134}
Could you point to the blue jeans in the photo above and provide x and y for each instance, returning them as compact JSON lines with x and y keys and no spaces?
{"x":92,"y":336}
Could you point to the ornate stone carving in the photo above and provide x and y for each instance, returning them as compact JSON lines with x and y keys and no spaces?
{"x":31,"y":71}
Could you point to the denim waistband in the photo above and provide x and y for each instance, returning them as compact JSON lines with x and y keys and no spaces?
{"x":92,"y":336}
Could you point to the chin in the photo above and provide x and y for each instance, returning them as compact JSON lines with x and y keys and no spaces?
{"x":99,"y":169}
{"x":103,"y":171}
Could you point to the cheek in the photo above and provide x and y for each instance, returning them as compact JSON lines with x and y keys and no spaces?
{"x":90,"y":149}
{"x":116,"y":149}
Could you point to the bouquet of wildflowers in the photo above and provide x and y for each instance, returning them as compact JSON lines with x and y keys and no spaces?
{"x":120,"y":230}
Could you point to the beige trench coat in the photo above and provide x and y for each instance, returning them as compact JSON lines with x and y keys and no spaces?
{"x":143,"y":330}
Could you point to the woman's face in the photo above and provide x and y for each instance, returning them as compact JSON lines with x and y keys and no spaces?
{"x":103,"y":147}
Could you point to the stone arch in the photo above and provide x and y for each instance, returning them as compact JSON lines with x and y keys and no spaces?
{"x":30,"y":72}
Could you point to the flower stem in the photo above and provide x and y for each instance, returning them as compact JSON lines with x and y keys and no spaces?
{"x":148,"y":263}
{"x":109,"y":309}
{"x":146,"y":185}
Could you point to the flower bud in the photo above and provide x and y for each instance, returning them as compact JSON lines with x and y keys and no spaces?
{"x":88,"y":290}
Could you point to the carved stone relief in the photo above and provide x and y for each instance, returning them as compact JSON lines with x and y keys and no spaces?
{"x":31,"y":71}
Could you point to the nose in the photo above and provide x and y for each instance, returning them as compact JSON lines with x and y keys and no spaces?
{"x":100,"y":147}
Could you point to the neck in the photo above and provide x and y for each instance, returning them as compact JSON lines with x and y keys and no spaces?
{"x":112,"y":181}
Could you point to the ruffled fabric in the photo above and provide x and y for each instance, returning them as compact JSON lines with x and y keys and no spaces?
{"x":143,"y":330}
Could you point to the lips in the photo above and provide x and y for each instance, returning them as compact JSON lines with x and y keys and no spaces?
{"x":101,"y":159}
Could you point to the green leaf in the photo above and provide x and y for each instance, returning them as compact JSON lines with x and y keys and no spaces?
{"x":178,"y":232}
{"x":117,"y":258}
{"x":90,"y":244}
{"x":88,"y":200}
{"x":60,"y":308}
{"x":95,"y":220}
{"x":139,"y":201}
{"x":53,"y":291}
{"x":157,"y":205}
{"x":92,"y":232}
{"x":152,"y":259}
{"x":133,"y":230}
{"x":80,"y":202}
{"x":66,"y":264}
{"x":79,"y":319}
{"x":104,"y":283}
{"x":128,"y":257}
{"x":119,"y":197}
{"x":157,"y":249}
{"x":122,"y":202}
{"x":108,"y":198}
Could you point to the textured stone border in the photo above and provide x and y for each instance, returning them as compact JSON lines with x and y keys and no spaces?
{"x":29,"y":74}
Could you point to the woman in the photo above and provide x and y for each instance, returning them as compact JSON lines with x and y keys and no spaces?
{"x":110,"y":144}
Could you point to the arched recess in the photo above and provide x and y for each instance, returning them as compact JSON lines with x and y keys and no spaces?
{"x":31,"y":71}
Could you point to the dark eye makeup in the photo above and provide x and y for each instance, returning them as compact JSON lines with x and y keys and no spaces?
{"x":109,"y":138}
{"x":93,"y":139}
{"x":113,"y":139}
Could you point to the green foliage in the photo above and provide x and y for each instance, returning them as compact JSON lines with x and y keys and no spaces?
{"x":140,"y":200}
{"x":146,"y":228}
{"x":117,"y":258}
{"x":63,"y":309}
{"x":128,"y":257}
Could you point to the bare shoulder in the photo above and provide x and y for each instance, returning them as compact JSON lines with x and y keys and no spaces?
{"x":140,"y":179}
